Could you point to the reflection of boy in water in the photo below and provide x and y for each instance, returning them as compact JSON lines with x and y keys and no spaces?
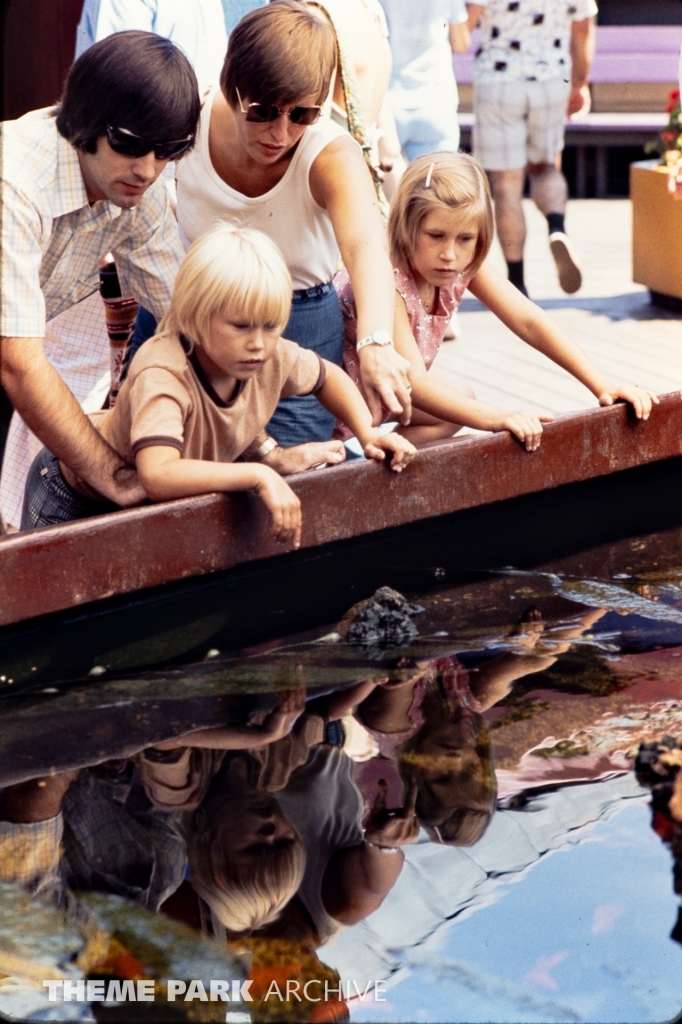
{"x":280,"y":815}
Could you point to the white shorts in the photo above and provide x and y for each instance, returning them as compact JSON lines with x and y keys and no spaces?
{"x":519,"y":123}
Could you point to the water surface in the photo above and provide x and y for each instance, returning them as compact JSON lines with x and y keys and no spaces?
{"x":545,"y":875}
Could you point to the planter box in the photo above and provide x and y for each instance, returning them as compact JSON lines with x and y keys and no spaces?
{"x":656,"y":230}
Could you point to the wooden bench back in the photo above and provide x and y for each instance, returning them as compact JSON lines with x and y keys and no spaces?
{"x":634,"y":69}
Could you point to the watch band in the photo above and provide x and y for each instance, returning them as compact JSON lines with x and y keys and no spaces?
{"x":258,"y":453}
{"x":376,"y":338}
{"x":383,"y":849}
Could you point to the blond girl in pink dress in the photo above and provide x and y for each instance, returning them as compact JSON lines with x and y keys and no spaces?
{"x":440,"y":231}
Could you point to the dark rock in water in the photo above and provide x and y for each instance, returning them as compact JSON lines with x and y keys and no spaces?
{"x":384,"y":620}
{"x":659,"y":759}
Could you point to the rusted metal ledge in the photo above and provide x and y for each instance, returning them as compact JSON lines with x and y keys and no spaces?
{"x":64,"y":566}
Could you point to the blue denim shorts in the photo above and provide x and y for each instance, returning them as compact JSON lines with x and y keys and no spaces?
{"x":316,"y":323}
{"x":48,"y":499}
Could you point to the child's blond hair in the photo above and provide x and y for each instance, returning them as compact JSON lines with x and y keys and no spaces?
{"x":238,"y":273}
{"x":440,"y":181}
{"x":242,"y":897}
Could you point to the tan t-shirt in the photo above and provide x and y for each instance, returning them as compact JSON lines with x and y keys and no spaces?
{"x":167,"y":399}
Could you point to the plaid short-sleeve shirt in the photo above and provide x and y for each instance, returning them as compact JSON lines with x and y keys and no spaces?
{"x":52,"y":237}
{"x":525,"y":40}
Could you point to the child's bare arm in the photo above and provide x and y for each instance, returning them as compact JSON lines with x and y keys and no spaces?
{"x":340,"y":396}
{"x":533,"y":326}
{"x":446,"y":403}
{"x":164,"y":474}
{"x":276,"y":725}
{"x":344,"y":702}
{"x":539,"y":651}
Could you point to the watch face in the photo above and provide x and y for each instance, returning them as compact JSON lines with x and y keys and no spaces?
{"x":382,"y":338}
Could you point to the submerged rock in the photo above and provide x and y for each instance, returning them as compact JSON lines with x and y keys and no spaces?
{"x":383,"y":620}
{"x":659,"y":759}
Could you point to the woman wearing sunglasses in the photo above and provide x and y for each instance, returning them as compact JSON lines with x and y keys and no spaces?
{"x":266,"y":159}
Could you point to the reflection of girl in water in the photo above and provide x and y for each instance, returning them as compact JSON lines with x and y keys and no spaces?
{"x":431,"y":726}
{"x":450,"y":758}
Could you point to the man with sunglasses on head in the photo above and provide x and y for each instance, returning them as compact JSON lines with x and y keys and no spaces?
{"x":78,"y":181}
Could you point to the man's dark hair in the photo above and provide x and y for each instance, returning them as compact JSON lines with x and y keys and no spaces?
{"x":134,"y":80}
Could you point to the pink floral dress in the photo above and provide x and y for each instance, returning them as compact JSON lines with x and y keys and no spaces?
{"x":428,"y":328}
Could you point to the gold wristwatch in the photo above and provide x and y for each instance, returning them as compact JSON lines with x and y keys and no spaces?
{"x":257,"y":452}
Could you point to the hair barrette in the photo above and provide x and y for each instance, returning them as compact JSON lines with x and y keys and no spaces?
{"x":427,"y":183}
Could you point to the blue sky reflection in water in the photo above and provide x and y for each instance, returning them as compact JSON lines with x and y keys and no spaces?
{"x":582,"y":936}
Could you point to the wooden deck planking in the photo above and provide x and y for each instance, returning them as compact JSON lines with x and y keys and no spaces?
{"x":610,"y":317}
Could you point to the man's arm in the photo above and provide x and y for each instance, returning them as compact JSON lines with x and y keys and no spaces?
{"x":460,"y":37}
{"x":582,"y":54}
{"x":35,"y":800}
{"x":50,"y":410}
{"x":475,"y":12}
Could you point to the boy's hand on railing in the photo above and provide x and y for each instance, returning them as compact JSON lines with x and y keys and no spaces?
{"x":526,"y":427}
{"x":641,"y":399}
{"x":398,"y":447}
{"x":283,"y":504}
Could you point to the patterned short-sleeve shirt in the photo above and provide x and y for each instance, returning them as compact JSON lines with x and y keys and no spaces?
{"x":527,"y":39}
{"x":428,"y":329}
{"x":52,"y":237}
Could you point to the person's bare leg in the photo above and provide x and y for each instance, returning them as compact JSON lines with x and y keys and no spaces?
{"x":507,"y":190}
{"x":549,"y":192}
{"x":548,"y":187}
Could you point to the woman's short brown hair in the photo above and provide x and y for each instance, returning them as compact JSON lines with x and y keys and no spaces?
{"x":455,"y":182}
{"x":279,"y":54}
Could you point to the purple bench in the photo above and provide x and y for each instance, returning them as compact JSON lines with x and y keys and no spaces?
{"x":643,"y":55}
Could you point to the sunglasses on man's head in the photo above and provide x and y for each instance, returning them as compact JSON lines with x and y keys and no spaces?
{"x":128,"y":144}
{"x":262,"y":113}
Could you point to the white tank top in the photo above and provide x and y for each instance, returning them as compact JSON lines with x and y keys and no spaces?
{"x":288,"y":213}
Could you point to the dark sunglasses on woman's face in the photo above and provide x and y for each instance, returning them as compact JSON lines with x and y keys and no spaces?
{"x":262,"y":113}
{"x":128,"y":144}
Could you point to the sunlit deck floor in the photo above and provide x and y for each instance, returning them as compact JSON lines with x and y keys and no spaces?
{"x":610,"y":317}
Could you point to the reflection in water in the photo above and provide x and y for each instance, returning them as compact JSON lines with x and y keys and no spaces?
{"x":317,"y":831}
